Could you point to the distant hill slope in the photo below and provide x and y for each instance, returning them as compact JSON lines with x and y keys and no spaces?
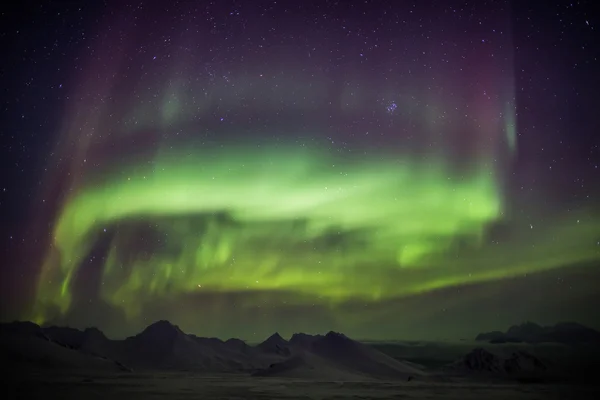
{"x":517,"y":362}
{"x":26,"y":346}
{"x":530,"y":332}
{"x":275,"y":344}
{"x":160,"y":346}
{"x":164,"y":346}
{"x":336,"y":355}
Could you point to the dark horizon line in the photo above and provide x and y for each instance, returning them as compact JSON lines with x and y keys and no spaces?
{"x":253,"y":341}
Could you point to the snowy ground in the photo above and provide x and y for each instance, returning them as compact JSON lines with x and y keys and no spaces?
{"x":191,"y":386}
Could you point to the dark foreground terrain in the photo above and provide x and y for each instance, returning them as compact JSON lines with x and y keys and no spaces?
{"x":182,"y":385}
{"x":164,"y":362}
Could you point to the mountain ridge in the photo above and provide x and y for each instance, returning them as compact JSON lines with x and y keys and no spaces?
{"x":530,"y":332}
{"x":164,"y":346}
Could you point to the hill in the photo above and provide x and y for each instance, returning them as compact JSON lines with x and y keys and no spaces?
{"x":335,"y":355}
{"x":164,"y":346}
{"x":483,"y":360}
{"x":530,"y":332}
{"x":27,"y":346}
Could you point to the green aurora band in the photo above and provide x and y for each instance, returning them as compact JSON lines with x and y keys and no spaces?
{"x":300,"y":222}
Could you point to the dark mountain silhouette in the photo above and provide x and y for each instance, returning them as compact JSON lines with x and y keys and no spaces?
{"x":525,"y":330}
{"x":237,"y":345}
{"x":303,"y":340}
{"x":164,"y":346}
{"x":161,"y":345}
{"x":22,"y":328}
{"x":571,"y":332}
{"x":27,"y":346}
{"x":66,"y":336}
{"x":345,"y":352}
{"x":530,"y":332}
{"x":275,"y":344}
{"x":336,"y":356}
{"x":516,"y":362}
{"x":480,"y":360}
{"x":91,"y":340}
{"x":94,"y":341}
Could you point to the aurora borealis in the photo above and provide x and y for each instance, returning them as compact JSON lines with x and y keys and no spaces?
{"x":366,"y":167}
{"x":296,"y":221}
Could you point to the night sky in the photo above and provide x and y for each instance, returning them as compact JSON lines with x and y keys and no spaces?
{"x":388,"y":169}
